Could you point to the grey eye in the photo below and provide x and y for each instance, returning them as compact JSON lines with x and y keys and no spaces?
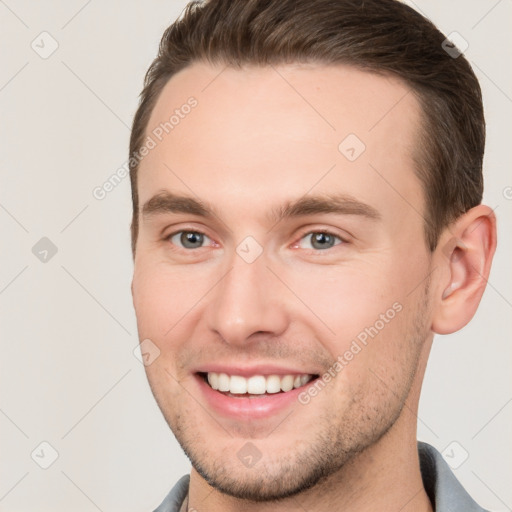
{"x":188,"y":239}
{"x":321,"y":240}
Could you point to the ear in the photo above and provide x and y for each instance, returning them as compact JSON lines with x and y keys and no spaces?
{"x":464,"y":256}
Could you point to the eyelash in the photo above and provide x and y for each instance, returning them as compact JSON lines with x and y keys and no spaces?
{"x":302,"y":236}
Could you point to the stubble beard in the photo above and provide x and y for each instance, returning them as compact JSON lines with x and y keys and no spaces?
{"x":310,"y":461}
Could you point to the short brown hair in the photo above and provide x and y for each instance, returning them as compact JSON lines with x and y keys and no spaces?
{"x":382,"y":36}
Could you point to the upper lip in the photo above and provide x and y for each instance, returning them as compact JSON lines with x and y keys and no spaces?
{"x":249,"y":371}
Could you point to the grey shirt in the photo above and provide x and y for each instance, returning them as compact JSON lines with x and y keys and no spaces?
{"x":443,"y":489}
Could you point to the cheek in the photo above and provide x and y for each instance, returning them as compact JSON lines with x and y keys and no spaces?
{"x":346,"y":299}
{"x":162,"y":296}
{"x":366,"y":315}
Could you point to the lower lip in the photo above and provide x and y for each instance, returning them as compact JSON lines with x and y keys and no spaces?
{"x":245,"y":408}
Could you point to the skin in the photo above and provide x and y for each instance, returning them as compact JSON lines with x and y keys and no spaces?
{"x":260,"y":137}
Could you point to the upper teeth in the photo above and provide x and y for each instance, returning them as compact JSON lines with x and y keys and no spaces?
{"x":257,"y":384}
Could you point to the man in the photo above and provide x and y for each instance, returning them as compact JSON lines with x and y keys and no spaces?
{"x":306,"y":182}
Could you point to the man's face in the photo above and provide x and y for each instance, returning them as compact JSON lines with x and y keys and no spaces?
{"x":248,"y":293}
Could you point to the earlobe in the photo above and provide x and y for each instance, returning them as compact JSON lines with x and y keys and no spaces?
{"x":465,"y":255}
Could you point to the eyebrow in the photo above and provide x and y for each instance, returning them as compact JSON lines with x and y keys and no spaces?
{"x":166,"y":202}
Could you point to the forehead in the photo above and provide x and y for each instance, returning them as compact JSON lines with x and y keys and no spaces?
{"x":245,"y":137}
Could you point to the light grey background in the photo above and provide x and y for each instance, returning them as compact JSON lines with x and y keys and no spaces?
{"x":68,"y":373}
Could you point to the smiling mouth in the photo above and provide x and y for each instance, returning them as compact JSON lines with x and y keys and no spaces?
{"x":255,"y":386}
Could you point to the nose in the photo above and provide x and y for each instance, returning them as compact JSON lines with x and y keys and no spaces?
{"x":249,"y":299}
